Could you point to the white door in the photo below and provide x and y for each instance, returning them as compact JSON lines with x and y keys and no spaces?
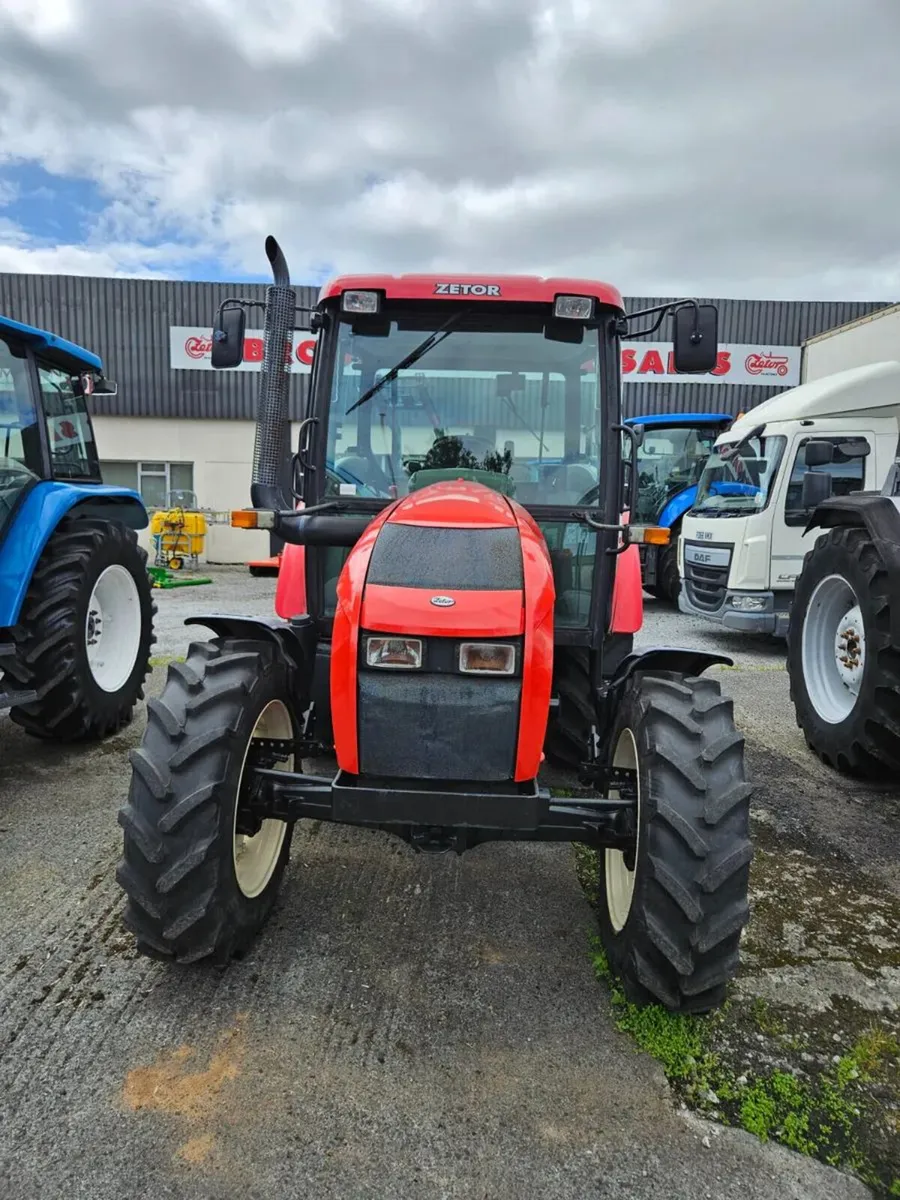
{"x":848,"y":474}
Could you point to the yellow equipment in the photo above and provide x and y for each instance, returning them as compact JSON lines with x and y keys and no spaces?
{"x":178,"y":531}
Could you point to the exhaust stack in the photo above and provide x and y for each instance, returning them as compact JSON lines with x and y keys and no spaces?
{"x":272,"y":410}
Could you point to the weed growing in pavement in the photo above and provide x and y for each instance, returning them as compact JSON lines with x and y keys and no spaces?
{"x":734,"y":1066}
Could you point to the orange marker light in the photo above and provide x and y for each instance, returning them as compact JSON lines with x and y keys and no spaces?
{"x":245,"y":518}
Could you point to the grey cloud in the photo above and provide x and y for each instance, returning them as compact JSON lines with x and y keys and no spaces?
{"x":700,"y":147}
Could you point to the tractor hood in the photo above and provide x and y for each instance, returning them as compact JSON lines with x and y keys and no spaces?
{"x":452,"y":564}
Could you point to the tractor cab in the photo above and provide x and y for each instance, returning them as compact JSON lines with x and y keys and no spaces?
{"x":45,"y":428}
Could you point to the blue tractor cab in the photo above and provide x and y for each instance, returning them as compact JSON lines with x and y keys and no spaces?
{"x":673,"y":451}
{"x":76,"y":608}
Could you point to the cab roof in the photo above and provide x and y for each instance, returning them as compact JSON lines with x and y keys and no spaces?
{"x":61,"y":352}
{"x":672,"y":420}
{"x":528,"y":288}
{"x":872,"y":390}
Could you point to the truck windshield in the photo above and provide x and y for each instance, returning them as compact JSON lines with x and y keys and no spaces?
{"x":737,"y":479}
{"x":492,"y":399}
{"x":670,"y":459}
{"x":20,"y":442}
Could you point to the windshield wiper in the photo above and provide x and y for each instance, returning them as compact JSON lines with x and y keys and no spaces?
{"x":414,"y":355}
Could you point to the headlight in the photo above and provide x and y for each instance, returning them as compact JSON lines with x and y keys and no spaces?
{"x":360,"y":302}
{"x":748,"y":603}
{"x":397,"y":654}
{"x":578,"y":308}
{"x":487,"y":658}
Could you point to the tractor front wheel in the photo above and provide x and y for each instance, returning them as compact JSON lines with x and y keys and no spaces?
{"x":200,"y":875}
{"x":671,"y":910}
{"x":84,"y":635}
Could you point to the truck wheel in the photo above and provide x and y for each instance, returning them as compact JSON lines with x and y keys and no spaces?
{"x":843,"y":670}
{"x":84,"y":633}
{"x":671,"y":912}
{"x":567,"y":743}
{"x":198,"y":885}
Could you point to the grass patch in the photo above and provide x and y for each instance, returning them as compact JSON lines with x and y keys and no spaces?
{"x":748,"y":1066}
{"x":163,"y":660}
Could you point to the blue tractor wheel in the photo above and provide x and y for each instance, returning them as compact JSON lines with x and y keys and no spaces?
{"x":81,"y":647}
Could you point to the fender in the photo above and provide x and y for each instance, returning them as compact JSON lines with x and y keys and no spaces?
{"x":673,"y":510}
{"x":627,"y":611}
{"x":666,"y":658}
{"x":34,"y":521}
{"x":290,"y":591}
{"x":295,"y":639}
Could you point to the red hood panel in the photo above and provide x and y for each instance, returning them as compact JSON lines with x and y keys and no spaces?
{"x":472,"y":614}
{"x":453,"y":505}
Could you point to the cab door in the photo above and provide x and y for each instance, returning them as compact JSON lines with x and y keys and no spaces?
{"x":22,"y":440}
{"x":847,"y":474}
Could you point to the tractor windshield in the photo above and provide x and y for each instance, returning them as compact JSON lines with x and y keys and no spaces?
{"x":670,"y":459}
{"x":20,"y":441}
{"x":493,"y":398}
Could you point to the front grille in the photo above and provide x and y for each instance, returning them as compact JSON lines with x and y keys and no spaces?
{"x":705,"y":586}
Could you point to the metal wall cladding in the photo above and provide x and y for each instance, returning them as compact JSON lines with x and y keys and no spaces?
{"x":126,"y":321}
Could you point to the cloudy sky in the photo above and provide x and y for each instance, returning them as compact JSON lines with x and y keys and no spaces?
{"x":671,"y":146}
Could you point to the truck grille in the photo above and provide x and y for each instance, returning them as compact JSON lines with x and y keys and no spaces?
{"x":705,"y":586}
{"x":706,"y":568}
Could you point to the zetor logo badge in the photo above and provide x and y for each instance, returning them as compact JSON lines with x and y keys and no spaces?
{"x":443,"y":601}
{"x":467,"y":289}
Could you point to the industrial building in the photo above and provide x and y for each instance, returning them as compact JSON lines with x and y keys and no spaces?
{"x":175,"y":423}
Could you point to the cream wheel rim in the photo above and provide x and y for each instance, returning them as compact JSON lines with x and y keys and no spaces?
{"x":256,"y":857}
{"x":619,"y":879}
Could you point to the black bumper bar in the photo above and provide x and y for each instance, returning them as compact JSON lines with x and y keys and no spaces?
{"x":433,"y":817}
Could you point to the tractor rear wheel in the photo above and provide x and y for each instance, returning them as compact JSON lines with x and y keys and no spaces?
{"x":85,"y":631}
{"x":568,"y":739}
{"x":843,"y":669}
{"x":671,"y":912}
{"x":201,"y":877}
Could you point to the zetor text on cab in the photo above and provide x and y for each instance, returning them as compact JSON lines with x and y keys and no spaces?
{"x":457,"y":599}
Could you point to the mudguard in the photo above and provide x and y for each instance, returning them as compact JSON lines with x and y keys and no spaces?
{"x":295,"y":639}
{"x":675,"y":509}
{"x":34,"y":521}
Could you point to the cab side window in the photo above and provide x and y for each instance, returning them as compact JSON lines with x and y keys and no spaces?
{"x":847,"y":475}
{"x":72,"y":451}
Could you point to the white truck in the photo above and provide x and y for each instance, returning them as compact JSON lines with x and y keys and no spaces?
{"x":743,"y":542}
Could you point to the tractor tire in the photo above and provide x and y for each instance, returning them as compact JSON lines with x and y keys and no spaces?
{"x":668,"y":584}
{"x":671,"y":913}
{"x":846,"y":689}
{"x":568,"y":739}
{"x":196,"y":888}
{"x":90,"y":584}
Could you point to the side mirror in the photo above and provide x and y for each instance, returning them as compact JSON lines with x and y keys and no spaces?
{"x":819,"y":454}
{"x":228,"y":338}
{"x":105,"y":387}
{"x":695,"y":338}
{"x":816,"y":488}
{"x":509,"y":382}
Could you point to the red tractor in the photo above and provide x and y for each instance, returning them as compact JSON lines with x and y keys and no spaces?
{"x":465,"y":610}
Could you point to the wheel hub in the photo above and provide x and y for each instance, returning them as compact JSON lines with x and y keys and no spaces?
{"x":850,"y":648}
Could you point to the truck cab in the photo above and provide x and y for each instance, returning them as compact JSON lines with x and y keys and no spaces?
{"x":744,"y":540}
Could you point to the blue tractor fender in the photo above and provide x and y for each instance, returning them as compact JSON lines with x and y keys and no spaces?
{"x":35,"y":520}
{"x":675,"y":508}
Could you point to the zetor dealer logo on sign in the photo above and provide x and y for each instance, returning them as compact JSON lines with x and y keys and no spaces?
{"x":642,"y":362}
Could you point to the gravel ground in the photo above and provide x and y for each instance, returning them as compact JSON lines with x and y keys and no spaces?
{"x":405,"y":1026}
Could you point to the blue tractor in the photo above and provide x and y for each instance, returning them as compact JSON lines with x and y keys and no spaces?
{"x":671,"y":457}
{"x":76,"y":606}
